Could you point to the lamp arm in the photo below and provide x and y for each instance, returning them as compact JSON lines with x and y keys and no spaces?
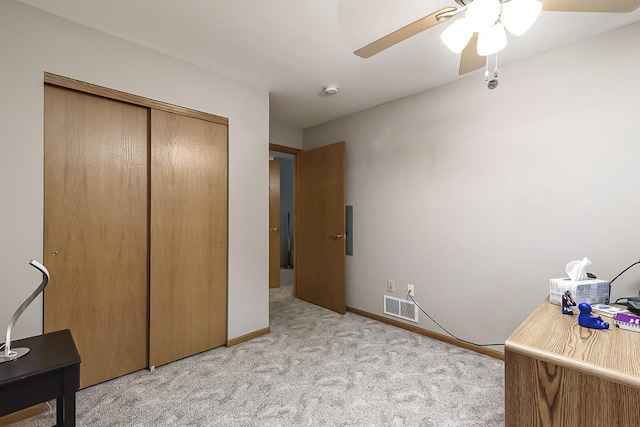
{"x":22,"y":308}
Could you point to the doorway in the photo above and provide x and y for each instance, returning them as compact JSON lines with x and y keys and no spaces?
{"x":281,"y":217}
{"x":316,"y":245}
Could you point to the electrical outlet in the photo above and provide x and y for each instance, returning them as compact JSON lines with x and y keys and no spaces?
{"x":391,"y":287}
{"x":411,"y":291}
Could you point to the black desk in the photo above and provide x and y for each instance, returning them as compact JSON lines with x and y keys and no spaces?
{"x":51,"y":370}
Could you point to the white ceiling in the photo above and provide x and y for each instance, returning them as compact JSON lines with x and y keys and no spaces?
{"x":292,"y":48}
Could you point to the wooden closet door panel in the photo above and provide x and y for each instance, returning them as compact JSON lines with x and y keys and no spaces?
{"x":95,"y":230}
{"x":188,"y":236}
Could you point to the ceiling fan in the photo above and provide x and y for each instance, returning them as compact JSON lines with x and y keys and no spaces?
{"x":482,"y":31}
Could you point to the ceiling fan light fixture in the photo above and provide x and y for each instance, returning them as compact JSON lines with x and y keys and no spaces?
{"x":492,"y":40}
{"x":519,"y":15}
{"x":482,"y":14}
{"x":457,"y":35}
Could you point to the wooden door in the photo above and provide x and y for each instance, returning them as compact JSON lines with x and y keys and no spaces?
{"x":274,"y":223}
{"x":320,"y":226}
{"x":95,"y":230}
{"x":188,"y":283}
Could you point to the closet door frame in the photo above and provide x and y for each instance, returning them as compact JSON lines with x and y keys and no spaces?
{"x":92,"y":89}
{"x":66,"y":82}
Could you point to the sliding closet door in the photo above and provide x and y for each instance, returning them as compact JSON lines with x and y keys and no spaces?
{"x":188,"y":281}
{"x":95,"y":230}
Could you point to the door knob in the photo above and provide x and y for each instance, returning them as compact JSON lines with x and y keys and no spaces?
{"x":54,"y":253}
{"x":338,"y":236}
{"x":275,"y":229}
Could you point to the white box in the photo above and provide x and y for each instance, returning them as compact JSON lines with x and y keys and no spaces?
{"x":592,"y":291}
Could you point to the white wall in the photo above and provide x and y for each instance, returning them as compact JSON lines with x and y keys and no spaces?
{"x":32,"y":42}
{"x":285,"y":135}
{"x":479,"y":197}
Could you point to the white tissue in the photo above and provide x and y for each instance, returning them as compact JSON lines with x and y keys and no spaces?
{"x":577,"y":270}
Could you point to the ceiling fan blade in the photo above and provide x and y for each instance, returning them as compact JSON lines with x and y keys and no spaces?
{"x":402,"y":34}
{"x":614,"y":6}
{"x":470,"y":60}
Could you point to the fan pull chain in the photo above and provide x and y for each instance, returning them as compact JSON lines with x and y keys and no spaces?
{"x":493,"y":83}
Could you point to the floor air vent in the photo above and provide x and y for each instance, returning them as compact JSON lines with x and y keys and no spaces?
{"x":403,"y":309}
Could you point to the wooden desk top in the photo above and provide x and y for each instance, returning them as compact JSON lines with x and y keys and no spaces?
{"x":547,"y":334}
{"x":49,"y":352}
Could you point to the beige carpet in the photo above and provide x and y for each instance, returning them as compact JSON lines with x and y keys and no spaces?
{"x":286,"y":276}
{"x":316,"y":368}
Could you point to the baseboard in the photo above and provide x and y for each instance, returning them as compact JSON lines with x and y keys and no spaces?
{"x":22,"y":414}
{"x":427,"y":333}
{"x":247,"y":337}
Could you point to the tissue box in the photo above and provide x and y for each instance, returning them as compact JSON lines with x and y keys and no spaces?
{"x":592,"y":291}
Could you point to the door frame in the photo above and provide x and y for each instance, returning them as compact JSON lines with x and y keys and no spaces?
{"x":293,"y":151}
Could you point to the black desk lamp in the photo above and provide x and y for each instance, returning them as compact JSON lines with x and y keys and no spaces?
{"x":8,"y":354}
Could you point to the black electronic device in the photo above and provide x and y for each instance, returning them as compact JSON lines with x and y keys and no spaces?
{"x":633,"y":304}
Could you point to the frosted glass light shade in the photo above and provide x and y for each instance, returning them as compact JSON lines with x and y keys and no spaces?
{"x":457,"y":35}
{"x":492,"y":40}
{"x":482,"y":14}
{"x":519,"y":15}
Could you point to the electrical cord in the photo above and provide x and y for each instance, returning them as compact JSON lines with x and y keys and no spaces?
{"x":449,"y":333}
{"x":623,"y":271}
{"x":612,"y":280}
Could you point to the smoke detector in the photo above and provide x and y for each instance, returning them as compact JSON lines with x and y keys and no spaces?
{"x":331,"y":89}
